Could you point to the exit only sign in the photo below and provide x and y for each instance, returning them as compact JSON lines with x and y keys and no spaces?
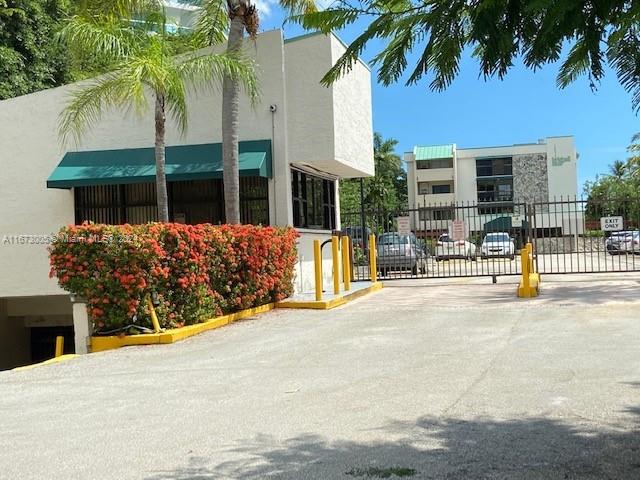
{"x":611,"y":224}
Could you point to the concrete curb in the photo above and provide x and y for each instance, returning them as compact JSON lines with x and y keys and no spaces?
{"x":329,"y":304}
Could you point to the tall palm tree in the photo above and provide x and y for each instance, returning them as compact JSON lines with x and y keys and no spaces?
{"x":618,"y":169}
{"x":241,"y":16}
{"x":145,"y":68}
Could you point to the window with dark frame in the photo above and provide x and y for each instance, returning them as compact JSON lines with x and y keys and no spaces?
{"x":434,"y":163}
{"x":313,"y":201}
{"x":192,"y":202}
{"x":443,"y":188}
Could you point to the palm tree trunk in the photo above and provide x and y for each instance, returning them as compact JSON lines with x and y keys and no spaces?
{"x":230,"y":104}
{"x":161,"y":178}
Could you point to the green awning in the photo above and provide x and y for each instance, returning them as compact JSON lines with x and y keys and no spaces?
{"x":500,"y":224}
{"x":433,"y":152}
{"x":137,"y":165}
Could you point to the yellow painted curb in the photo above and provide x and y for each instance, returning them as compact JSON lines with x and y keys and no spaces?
{"x":100,"y":344}
{"x":329,"y":304}
{"x":59,"y":359}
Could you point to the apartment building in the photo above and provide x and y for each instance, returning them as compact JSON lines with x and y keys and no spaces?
{"x":491,"y":183}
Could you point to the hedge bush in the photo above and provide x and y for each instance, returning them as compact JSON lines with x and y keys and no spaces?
{"x":195,"y":272}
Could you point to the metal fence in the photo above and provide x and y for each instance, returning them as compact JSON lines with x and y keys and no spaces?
{"x":484,"y":239}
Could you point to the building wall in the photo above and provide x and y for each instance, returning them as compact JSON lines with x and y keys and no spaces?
{"x":530,"y":179}
{"x":301,"y":129}
{"x":330,"y":128}
{"x":562,"y":166}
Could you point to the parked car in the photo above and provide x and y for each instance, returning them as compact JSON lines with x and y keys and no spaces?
{"x":400,"y":252}
{"x":448,"y":248}
{"x":623,"y":242}
{"x":359,"y":240}
{"x":498,"y":244}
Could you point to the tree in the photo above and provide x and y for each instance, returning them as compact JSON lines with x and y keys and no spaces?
{"x":617,"y":193}
{"x":145,"y":68}
{"x":241,"y":16}
{"x":618,"y":169}
{"x":29,"y":60}
{"x":386,"y":190}
{"x":496,"y":32}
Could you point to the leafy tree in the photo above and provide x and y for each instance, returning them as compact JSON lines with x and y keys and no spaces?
{"x":240,"y":16}
{"x":145,"y":68}
{"x":495,"y":31}
{"x":29,"y":60}
{"x":617,"y":193}
{"x":386,"y":190}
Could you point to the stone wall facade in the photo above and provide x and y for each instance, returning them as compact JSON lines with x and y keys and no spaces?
{"x":530,"y":178}
{"x":560,"y":245}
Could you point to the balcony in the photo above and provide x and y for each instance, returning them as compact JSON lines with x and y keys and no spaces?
{"x":434,"y":175}
{"x":435,"y":199}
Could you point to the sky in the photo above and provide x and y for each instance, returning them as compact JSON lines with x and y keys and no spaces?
{"x":522,"y":108}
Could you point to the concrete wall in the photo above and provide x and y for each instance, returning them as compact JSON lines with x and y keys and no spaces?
{"x":330,"y":128}
{"x":562,"y":167}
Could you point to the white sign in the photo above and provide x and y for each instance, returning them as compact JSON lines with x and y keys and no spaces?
{"x":611,"y":224}
{"x":457,"y":230}
{"x":404,"y":226}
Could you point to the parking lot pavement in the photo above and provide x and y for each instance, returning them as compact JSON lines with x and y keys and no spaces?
{"x":451,"y":378}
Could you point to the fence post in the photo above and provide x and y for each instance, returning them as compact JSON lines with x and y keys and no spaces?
{"x":372,"y":258}
{"x":346,"y":268}
{"x":59,"y":346}
{"x":317,"y":261}
{"x":335,"y":256}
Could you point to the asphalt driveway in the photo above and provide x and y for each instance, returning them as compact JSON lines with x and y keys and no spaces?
{"x":450,"y":379}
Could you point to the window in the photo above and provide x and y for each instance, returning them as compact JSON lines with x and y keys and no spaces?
{"x":192,"y":201}
{"x":313,"y":201}
{"x":445,"y":188}
{"x":427,"y":214}
{"x":495,"y":190}
{"x":436,"y":163}
{"x":426,"y":188}
{"x":490,"y":167}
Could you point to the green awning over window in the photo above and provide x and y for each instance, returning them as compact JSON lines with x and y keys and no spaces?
{"x":137,"y":165}
{"x":433,"y":152}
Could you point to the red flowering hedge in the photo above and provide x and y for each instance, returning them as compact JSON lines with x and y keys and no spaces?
{"x":195,"y":272}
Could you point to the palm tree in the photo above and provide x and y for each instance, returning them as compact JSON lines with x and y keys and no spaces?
{"x":241,"y":16}
{"x":618,"y":169}
{"x":145,"y":68}
{"x":633,"y":162}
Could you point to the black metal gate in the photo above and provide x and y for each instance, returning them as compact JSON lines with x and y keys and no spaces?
{"x":484,"y":239}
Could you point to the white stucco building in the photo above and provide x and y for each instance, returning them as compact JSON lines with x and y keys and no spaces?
{"x":295,"y":144}
{"x":489,"y":184}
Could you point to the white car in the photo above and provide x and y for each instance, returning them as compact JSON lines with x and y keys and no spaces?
{"x":623,"y":242}
{"x":498,"y":244}
{"x":447,"y":248}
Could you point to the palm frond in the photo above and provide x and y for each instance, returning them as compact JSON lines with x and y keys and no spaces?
{"x":212,"y":24}
{"x":299,"y":7}
{"x":208,"y":71}
{"x":176,"y":99}
{"x":122,"y":9}
{"x":102,"y":37}
{"x":87,"y":104}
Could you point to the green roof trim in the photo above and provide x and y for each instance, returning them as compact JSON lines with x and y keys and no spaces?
{"x":433,"y":152}
{"x":137,"y":165}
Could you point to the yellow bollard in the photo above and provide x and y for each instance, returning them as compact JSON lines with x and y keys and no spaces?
{"x":154,"y":317}
{"x":346,"y":268}
{"x":335,"y":256}
{"x":372,"y":258}
{"x":317,"y":261}
{"x":59,"y":346}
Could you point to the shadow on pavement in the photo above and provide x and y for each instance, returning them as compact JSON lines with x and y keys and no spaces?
{"x":430,"y":448}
